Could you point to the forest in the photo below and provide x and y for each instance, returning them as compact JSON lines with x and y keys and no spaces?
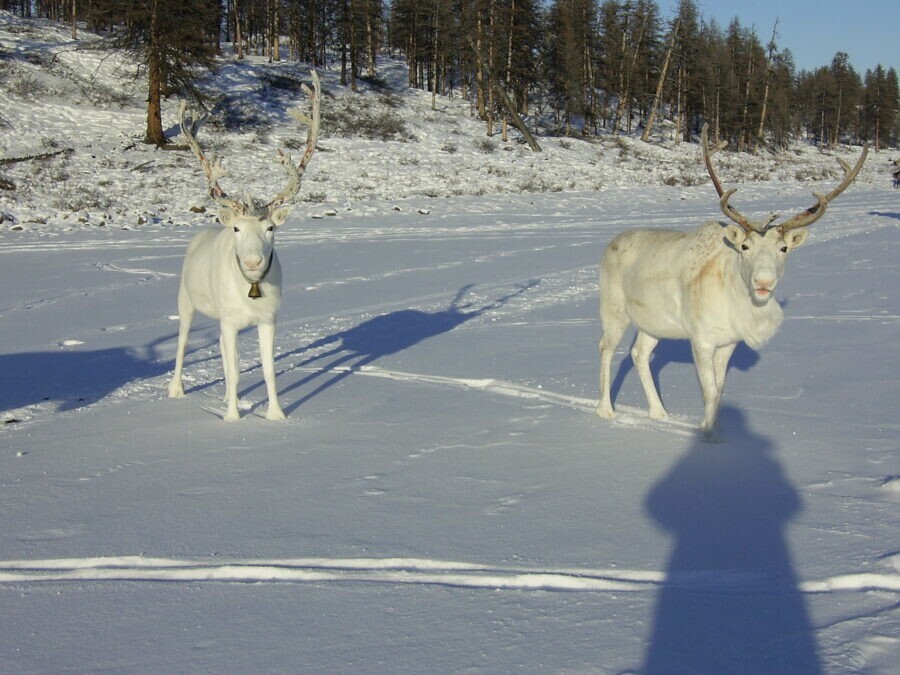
{"x":573,"y":67}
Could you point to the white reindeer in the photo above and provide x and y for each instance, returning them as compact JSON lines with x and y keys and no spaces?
{"x":712,"y":286}
{"x":232,"y":273}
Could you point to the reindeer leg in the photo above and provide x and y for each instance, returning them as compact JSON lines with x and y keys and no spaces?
{"x":720,"y":360}
{"x":613,"y":330}
{"x":266,"y":333}
{"x":706,"y":372}
{"x":228,"y":343}
{"x":185,"y":317}
{"x":640,"y":353}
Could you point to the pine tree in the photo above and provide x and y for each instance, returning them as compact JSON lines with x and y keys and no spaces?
{"x":880,"y":108}
{"x":168,"y":39}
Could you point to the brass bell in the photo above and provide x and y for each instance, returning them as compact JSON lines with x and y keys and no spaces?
{"x":254,"y":291}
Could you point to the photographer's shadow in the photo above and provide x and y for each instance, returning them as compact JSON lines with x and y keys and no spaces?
{"x":352,"y":349}
{"x":730,"y":601}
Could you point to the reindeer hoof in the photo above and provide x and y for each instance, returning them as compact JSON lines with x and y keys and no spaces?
{"x":176,"y":391}
{"x":606,"y":412}
{"x":711,"y":436}
{"x":275,"y":415}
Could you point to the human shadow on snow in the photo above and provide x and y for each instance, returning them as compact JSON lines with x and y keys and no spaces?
{"x":74,"y":378}
{"x":354,"y":348}
{"x":730,"y":601}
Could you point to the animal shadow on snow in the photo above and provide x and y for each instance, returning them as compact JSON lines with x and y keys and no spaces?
{"x":349,"y":350}
{"x":74,"y":378}
{"x":678,"y":351}
{"x":730,"y":601}
{"x":885,"y":214}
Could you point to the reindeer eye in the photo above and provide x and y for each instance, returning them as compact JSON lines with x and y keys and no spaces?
{"x":271,"y":228}
{"x":237,"y":229}
{"x":784,"y":249}
{"x":744,"y":247}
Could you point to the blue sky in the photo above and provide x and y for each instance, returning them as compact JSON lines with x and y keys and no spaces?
{"x":867,"y":30}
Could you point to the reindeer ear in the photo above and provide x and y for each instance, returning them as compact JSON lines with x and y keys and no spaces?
{"x":796,"y":238}
{"x":227,"y":216}
{"x":735,"y":234}
{"x":280,"y":215}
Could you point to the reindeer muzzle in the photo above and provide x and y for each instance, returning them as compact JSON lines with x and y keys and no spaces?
{"x":255,"y":291}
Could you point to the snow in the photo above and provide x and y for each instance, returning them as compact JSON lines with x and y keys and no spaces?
{"x":442,"y":497}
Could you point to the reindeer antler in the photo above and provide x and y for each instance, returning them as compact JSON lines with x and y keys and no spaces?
{"x":212,"y":166}
{"x":807,"y":217}
{"x":817,"y":210}
{"x":313,"y":121}
{"x":214,"y":170}
{"x":724,"y":196}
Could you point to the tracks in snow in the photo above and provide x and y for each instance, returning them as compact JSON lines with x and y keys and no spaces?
{"x":420,"y":572}
{"x":626,"y":416}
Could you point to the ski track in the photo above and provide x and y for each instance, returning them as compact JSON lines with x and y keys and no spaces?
{"x":421,"y":572}
{"x":146,"y":274}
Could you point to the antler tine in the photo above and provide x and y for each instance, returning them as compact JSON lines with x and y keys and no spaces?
{"x":312,"y":121}
{"x":212,"y":167}
{"x":724,"y":195}
{"x":817,"y":210}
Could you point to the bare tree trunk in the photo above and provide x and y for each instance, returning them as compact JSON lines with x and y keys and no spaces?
{"x":822,"y":132}
{"x":744,"y":133}
{"x":625,"y":93}
{"x":370,"y":42}
{"x":412,"y":59}
{"x":479,"y":69}
{"x":662,"y":81}
{"x":718,"y":114}
{"x":765,"y":103}
{"x":276,"y":32}
{"x":345,"y":32}
{"x":155,"y":134}
{"x":509,"y":56}
{"x":436,"y":25}
{"x":354,"y":49}
{"x":514,"y":117}
{"x":589,"y":85}
{"x":74,"y":20}
{"x":837,"y":119}
{"x":678,"y":105}
{"x":238,"y":39}
{"x":491,"y":78}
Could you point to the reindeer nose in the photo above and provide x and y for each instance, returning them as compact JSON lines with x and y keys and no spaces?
{"x":252,"y":262}
{"x":765,"y":281}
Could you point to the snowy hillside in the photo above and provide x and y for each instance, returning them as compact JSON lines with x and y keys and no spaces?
{"x":442,"y":497}
{"x":380,"y":149}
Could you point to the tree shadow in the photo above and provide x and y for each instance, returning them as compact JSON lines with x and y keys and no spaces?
{"x":678,"y":351}
{"x":74,"y":378}
{"x":730,"y":601}
{"x":349,"y":350}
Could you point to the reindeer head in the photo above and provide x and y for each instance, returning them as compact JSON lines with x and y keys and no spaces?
{"x":253,"y":222}
{"x":254,"y":241}
{"x":762,"y":256}
{"x":763,"y":246}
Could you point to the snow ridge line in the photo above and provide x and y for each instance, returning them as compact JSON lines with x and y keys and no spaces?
{"x":419,"y":571}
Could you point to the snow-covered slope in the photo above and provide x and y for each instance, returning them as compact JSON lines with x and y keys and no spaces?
{"x":442,"y":497}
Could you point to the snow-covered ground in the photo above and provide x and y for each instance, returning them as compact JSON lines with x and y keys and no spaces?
{"x":442,"y":497}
